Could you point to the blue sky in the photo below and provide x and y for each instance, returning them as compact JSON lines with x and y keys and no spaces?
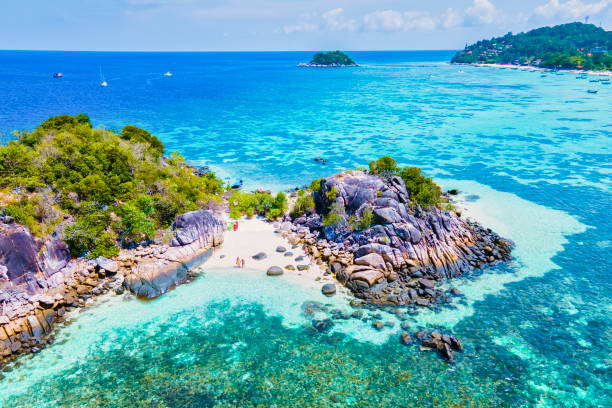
{"x":279,"y":24}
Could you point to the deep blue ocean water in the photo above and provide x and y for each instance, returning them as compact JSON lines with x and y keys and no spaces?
{"x":530,"y":154}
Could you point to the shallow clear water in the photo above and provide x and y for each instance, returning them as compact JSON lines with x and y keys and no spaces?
{"x":531,"y":156}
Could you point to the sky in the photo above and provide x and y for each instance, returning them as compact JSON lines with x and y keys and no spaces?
{"x":279,"y":25}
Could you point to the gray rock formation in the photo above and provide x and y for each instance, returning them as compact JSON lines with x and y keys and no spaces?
{"x":39,"y":281}
{"x":29,"y":264}
{"x":195,"y":233}
{"x":384,"y":263}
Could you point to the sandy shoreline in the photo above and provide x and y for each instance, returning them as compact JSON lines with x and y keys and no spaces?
{"x":532,"y":68}
{"x":256,"y":235}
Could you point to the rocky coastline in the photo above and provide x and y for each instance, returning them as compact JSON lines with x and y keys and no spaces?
{"x":405,"y":254}
{"x":398,"y":260}
{"x":41,"y":283}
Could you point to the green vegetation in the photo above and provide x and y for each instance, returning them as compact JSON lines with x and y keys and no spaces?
{"x":361,"y":223}
{"x":422,"y":190}
{"x":384,"y":165}
{"x":112,"y":188}
{"x":332,"y":193}
{"x":335,"y":215}
{"x":249,"y":204}
{"x":573,"y":45}
{"x":304,"y":203}
{"x":315,"y":185}
{"x":332,"y":58}
{"x":88,"y":233}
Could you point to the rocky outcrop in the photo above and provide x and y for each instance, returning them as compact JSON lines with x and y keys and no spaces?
{"x":407,"y":249}
{"x":39,"y":281}
{"x":443,"y":344}
{"x":155,"y":270}
{"x":29,"y":264}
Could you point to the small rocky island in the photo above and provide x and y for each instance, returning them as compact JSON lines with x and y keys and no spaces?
{"x":138,"y":221}
{"x":388,"y":235}
{"x":330,"y":59}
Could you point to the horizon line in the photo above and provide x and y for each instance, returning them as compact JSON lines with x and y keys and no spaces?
{"x":196,"y":51}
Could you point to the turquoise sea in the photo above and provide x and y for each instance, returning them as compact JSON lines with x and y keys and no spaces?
{"x":531,"y":156}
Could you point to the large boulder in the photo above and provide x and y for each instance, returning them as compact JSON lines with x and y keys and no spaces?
{"x":107,"y":264}
{"x":196,"y":232}
{"x":387,"y":215}
{"x":55,"y":255}
{"x":374,"y":260}
{"x":151,"y":279}
{"x":19,"y":254}
{"x":199,"y":225}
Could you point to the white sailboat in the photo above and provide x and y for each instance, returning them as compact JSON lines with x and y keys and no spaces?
{"x":168,"y":73}
{"x":102,"y":80}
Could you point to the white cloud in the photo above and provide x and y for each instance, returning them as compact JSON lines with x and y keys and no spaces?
{"x":300,"y":27}
{"x":336,"y":21}
{"x":571,"y":8}
{"x":419,"y":19}
{"x":392,"y":20}
{"x":451,"y":18}
{"x":478,"y":13}
{"x":384,"y":20}
{"x":482,"y":11}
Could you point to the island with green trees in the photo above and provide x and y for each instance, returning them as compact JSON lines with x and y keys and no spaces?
{"x":86,"y":212}
{"x":330,"y":59}
{"x":566,"y":46}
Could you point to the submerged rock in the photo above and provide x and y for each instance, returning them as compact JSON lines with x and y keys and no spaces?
{"x":443,"y":344}
{"x":323,"y":326}
{"x":328,"y":289}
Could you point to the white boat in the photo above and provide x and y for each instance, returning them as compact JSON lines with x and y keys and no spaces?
{"x":168,"y":73}
{"x":102,"y":80}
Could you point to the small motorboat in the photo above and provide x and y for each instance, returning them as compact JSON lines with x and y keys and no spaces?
{"x":57,"y":75}
{"x":594,"y":80}
{"x":592,"y":91}
{"x":102,"y":80}
{"x":238,"y":185}
{"x":168,"y":73}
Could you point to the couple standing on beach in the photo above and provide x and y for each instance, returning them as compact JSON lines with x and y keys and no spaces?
{"x":232,"y":226}
{"x":240,"y":262}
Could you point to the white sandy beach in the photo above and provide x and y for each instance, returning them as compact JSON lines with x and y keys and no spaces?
{"x":256,"y":235}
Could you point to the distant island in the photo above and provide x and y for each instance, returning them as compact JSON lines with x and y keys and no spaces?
{"x":566,"y":46}
{"x":330,"y":59}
